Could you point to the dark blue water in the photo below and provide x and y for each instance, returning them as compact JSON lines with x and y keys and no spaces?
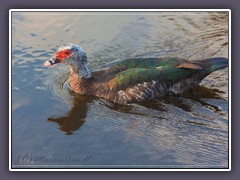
{"x":52,"y":128}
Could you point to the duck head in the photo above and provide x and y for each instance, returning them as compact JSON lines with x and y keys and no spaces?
{"x":74,"y":56}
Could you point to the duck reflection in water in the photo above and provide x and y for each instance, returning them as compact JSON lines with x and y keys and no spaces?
{"x":75,"y":118}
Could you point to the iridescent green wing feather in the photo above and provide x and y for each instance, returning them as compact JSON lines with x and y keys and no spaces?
{"x":134,"y":71}
{"x":134,"y":76}
{"x":147,"y":62}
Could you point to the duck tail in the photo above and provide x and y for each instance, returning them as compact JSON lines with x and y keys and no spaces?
{"x":218,"y":63}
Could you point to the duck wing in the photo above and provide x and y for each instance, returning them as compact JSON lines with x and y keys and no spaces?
{"x":145,"y":81}
{"x":135,"y":71}
{"x":148,"y":62}
{"x":169,"y":72}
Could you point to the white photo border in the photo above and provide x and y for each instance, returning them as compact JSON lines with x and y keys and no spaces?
{"x":102,"y":168}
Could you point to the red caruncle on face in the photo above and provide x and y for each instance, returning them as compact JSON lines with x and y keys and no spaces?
{"x":63,"y":54}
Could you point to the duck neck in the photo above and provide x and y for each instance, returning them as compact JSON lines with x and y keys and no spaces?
{"x":80,"y":79}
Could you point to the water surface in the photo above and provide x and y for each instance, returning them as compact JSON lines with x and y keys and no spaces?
{"x":52,"y":128}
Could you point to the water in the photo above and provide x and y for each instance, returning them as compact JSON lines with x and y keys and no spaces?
{"x":52,"y":128}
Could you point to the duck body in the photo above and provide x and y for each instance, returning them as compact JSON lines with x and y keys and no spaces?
{"x":139,"y":79}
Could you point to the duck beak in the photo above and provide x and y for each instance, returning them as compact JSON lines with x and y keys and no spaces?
{"x":52,"y":61}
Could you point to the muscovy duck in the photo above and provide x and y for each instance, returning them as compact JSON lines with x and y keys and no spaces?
{"x":134,"y":80}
